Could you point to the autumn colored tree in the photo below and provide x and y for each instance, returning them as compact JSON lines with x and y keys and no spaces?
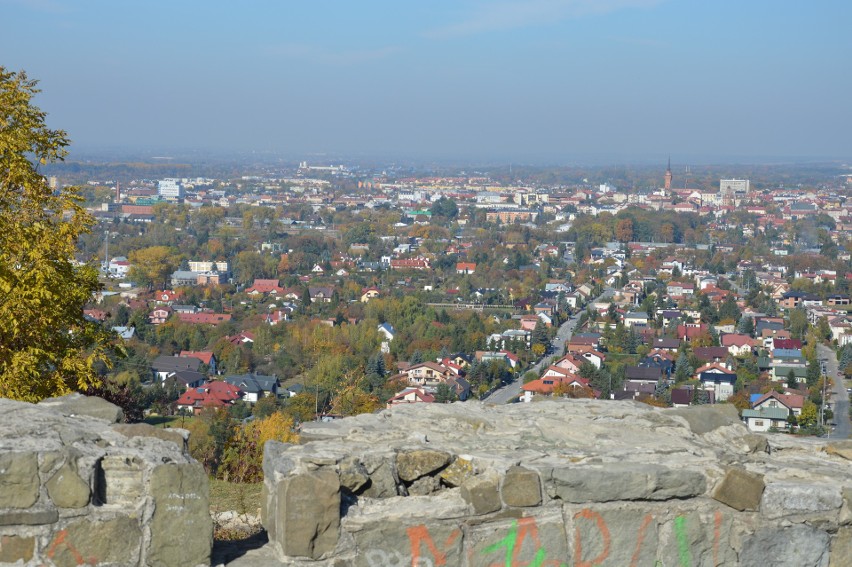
{"x":242,"y":460}
{"x":46,"y":346}
{"x":152,"y":266}
{"x":624,"y":230}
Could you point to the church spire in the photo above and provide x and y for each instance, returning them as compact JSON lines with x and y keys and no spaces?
{"x":668,"y":177}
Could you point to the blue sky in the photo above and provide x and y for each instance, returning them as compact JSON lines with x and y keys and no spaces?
{"x":555,"y":81}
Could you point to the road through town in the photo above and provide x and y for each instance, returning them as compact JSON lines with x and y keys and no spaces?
{"x":511,"y":392}
{"x":839,"y":397}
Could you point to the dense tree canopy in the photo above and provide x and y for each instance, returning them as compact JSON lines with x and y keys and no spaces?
{"x":46,"y":346}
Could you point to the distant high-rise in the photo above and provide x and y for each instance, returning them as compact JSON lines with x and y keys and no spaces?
{"x":668,"y":177}
{"x":170,"y":189}
{"x":733,"y":191}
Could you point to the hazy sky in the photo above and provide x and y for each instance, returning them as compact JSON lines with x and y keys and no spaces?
{"x":520,"y":80}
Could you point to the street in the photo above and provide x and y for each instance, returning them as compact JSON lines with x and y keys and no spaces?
{"x":512,"y":391}
{"x":839,"y":398}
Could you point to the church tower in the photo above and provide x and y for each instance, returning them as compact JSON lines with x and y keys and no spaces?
{"x":668,"y":177}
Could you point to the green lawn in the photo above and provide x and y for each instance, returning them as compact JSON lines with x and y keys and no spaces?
{"x":243,"y":498}
{"x":168,"y":420}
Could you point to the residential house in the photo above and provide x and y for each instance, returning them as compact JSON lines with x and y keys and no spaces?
{"x":689,"y":331}
{"x":411,"y":396}
{"x":166,"y":366}
{"x":204,"y":318}
{"x":277,"y":316}
{"x":793,"y":402}
{"x":166,"y":296}
{"x":209,"y":395}
{"x":321,"y":294}
{"x":125,"y":333}
{"x":711,"y":354}
{"x":718,"y":379}
{"x":528,"y":322}
{"x":737,"y":344}
{"x":766,"y":418}
{"x":369,"y":293}
{"x":666,"y":343}
{"x":206,"y":357}
{"x":188,"y":379}
{"x":388,"y":332}
{"x":159,"y":315}
{"x":262,"y":286}
{"x":254,"y":386}
{"x":465,"y":268}
{"x":643,"y":374}
{"x":546,"y":386}
{"x":427,"y":373}
{"x":634,"y":318}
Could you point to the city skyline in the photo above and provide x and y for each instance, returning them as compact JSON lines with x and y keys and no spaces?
{"x":540,"y":81}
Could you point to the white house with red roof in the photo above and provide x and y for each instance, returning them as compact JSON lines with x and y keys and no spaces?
{"x":265,"y":286}
{"x":737,"y":344}
{"x":209,"y":395}
{"x":411,"y":396}
{"x":546,"y":385}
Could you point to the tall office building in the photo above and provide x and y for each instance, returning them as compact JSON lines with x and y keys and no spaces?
{"x":170,"y":189}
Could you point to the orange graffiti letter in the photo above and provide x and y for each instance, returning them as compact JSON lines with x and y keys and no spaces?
{"x":418,"y":535}
{"x":587,"y":514}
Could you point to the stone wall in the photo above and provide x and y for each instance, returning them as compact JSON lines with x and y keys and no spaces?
{"x":79,"y":488}
{"x":572,"y":482}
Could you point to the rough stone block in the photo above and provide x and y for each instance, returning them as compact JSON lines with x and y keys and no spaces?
{"x":14,"y":549}
{"x":482,"y":493}
{"x":538,"y":539}
{"x":624,"y":481}
{"x":181,"y":498}
{"x":620,"y":536}
{"x":459,"y":471}
{"x":97,"y":542}
{"x":521,"y":487}
{"x":67,"y":489}
{"x":78,"y":404}
{"x":698,"y":537}
{"x":424,"y":486}
{"x":781,"y":499}
{"x":840,"y":448}
{"x":121,"y":480}
{"x":401,"y":543}
{"x":412,"y":465}
{"x":704,"y":419}
{"x":740,"y":490}
{"x":841,"y":548}
{"x":353,"y":474}
{"x":179,"y":437}
{"x":383,"y":480}
{"x":31,"y":517}
{"x":796,"y":546}
{"x":19,"y":482}
{"x":308,"y":514}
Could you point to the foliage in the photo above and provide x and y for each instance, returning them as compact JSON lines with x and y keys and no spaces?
{"x":243,"y":455}
{"x":444,"y":394}
{"x":153,"y":265}
{"x":265,"y":406}
{"x":47,"y":348}
{"x":809,"y":415}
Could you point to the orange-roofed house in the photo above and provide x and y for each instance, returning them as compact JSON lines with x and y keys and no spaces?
{"x":265,"y":286}
{"x":209,"y":395}
{"x":206,"y":357}
{"x":411,"y":396}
